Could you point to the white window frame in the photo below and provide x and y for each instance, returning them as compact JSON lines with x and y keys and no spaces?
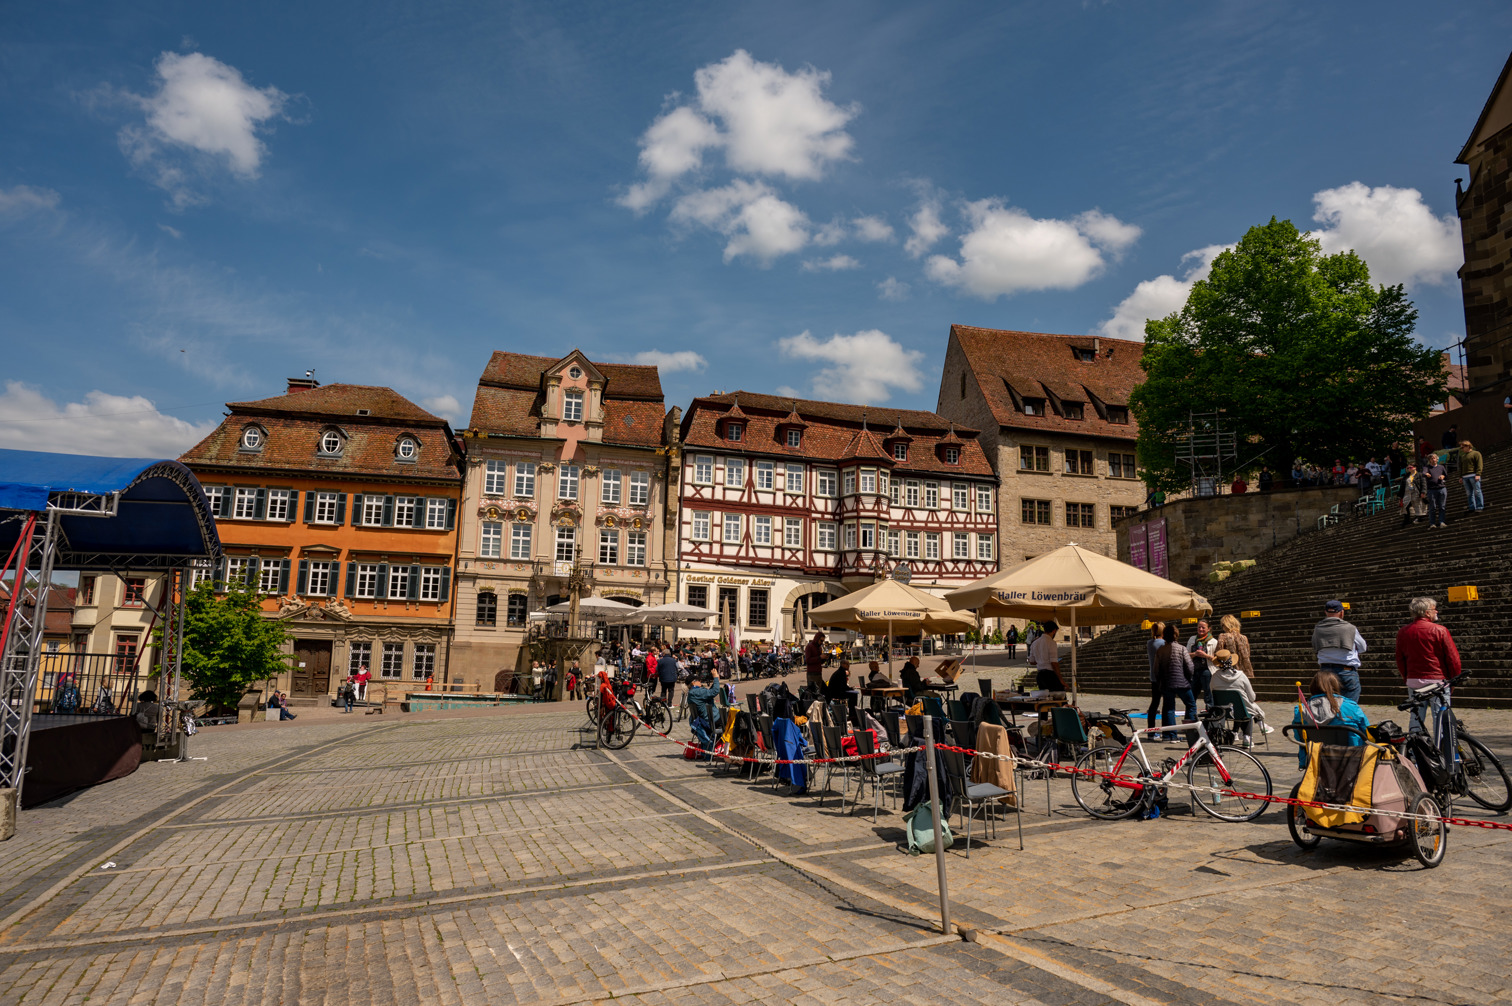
{"x":609,"y":546}
{"x":960,"y":545}
{"x":911,"y":545}
{"x":766,"y":475}
{"x":325,"y":508}
{"x":931,"y":545}
{"x":761,"y":530}
{"x":391,"y":661}
{"x":566,"y":543}
{"x":734,"y":432}
{"x":848,"y":480}
{"x":794,"y":438}
{"x":398,"y":585}
{"x":404,"y":510}
{"x":701,"y":525}
{"x":423,"y":662}
{"x":330,"y":442}
{"x":850,"y":535}
{"x":609,"y":491}
{"x":326,"y":572}
{"x":495,"y":477}
{"x":244,"y":504}
{"x":240,"y":570}
{"x":568,"y":477}
{"x":960,"y":496}
{"x":731,"y":529}
{"x":640,"y":488}
{"x":900,"y":452}
{"x":269,"y":572}
{"x":911,"y":493}
{"x":520,"y":536}
{"x":826,"y":482}
{"x":825,"y":536}
{"x":952,"y":455}
{"x":491,"y":539}
{"x":893,"y":542}
{"x":635,"y":547}
{"x":793,"y":478}
{"x":868,"y":483}
{"x":435,"y":514}
{"x":372,"y":510}
{"x":703,"y":469}
{"x":984,"y":499}
{"x":868,"y":535}
{"x":735,"y":473}
{"x":792,"y":532}
{"x":525,"y":479}
{"x":252,"y":438}
{"x":931,"y":496}
{"x":984,"y":548}
{"x":430,"y":583}
{"x":572,"y":406}
{"x":407,"y":449}
{"x":367,"y":581}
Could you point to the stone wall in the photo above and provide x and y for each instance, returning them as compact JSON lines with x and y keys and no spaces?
{"x":1200,"y":532}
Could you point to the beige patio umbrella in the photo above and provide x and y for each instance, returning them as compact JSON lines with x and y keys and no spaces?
{"x":1077,"y":586}
{"x":876,"y":609}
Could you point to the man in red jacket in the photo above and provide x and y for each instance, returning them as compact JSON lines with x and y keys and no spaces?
{"x":1425,"y":652}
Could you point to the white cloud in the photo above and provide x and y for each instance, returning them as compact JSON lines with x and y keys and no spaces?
{"x":1158,"y":297}
{"x":115,"y":426}
{"x":787,"y":391}
{"x":766,"y":121}
{"x":445,"y":406}
{"x":1007,"y":251}
{"x":173,"y":232}
{"x":1393,"y":230}
{"x":22,"y":199}
{"x":201,"y":105}
{"x":756,"y":221}
{"x":892,"y":288}
{"x":872,"y":229}
{"x":831,"y":233}
{"x":835,"y":263}
{"x":862,"y":367}
{"x":926,"y":227}
{"x":671,"y":363}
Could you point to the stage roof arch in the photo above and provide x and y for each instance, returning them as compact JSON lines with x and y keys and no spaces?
{"x":113,"y":513}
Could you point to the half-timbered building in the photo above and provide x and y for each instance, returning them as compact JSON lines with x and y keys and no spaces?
{"x":785,"y":504}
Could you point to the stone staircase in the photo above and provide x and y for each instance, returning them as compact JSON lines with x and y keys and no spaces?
{"x":1376,"y":566}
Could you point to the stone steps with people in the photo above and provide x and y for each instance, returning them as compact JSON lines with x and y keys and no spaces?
{"x":1376,"y":565}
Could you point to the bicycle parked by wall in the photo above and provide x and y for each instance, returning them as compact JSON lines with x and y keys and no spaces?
{"x":1113,"y":783}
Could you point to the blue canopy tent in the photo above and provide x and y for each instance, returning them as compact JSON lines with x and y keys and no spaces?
{"x":67,"y":511}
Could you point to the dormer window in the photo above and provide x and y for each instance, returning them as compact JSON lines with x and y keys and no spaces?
{"x":252,"y":439}
{"x":1118,"y":415}
{"x":734,"y":432}
{"x":794,"y":438}
{"x":330,"y":442}
{"x":900,"y":452}
{"x":364,"y":412}
{"x":952,"y":455}
{"x":575,"y":372}
{"x":1072,"y":410}
{"x":1034,"y":406}
{"x":1083,"y":355}
{"x":406,"y":449}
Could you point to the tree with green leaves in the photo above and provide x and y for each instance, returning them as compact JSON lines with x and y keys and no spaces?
{"x":228,"y":644}
{"x":1299,"y":352}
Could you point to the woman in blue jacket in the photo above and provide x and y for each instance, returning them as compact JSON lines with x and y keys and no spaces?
{"x":1328,"y":707}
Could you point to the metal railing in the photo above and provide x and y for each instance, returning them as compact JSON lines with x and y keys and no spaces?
{"x":102,"y":684}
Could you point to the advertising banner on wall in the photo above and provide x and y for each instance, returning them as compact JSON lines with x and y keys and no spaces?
{"x":1139,"y":547}
{"x":1156,"y":536}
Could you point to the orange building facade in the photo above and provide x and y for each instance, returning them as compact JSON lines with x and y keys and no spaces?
{"x":340,"y":505}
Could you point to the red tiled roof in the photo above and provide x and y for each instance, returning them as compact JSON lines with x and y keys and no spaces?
{"x":523,"y":372}
{"x":341,"y":400}
{"x":1034,"y":363}
{"x":510,"y":395}
{"x":833,"y":431}
{"x":290,"y":446}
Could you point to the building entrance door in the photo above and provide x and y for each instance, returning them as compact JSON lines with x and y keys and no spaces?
{"x":312,"y":668}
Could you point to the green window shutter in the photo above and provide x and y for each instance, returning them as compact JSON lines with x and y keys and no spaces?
{"x":451,"y":514}
{"x":445,"y":583}
{"x":219,"y":576}
{"x":304,"y":578}
{"x":309,"y":516}
{"x":283,"y":577}
{"x":382,"y":592}
{"x":414,"y":583}
{"x":341,"y":509}
{"x":351,"y":579}
{"x":356,"y":509}
{"x":418,"y":519}
{"x":261,"y":511}
{"x":388,"y":511}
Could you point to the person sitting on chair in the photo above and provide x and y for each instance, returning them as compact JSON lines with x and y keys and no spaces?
{"x":838,"y":687}
{"x":911,"y":678}
{"x":876,"y":679}
{"x":1228,"y":677}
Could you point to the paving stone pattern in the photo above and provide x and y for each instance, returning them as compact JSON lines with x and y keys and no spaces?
{"x":498,"y":859}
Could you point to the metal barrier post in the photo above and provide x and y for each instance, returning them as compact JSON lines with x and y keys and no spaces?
{"x":934,"y":813}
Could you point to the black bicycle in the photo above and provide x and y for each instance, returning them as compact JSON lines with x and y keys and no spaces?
{"x":1474,"y":771}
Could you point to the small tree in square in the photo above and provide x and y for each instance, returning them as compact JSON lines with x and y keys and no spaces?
{"x":228,"y":644}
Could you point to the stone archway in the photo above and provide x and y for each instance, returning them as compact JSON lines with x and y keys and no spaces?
{"x":803,"y":597}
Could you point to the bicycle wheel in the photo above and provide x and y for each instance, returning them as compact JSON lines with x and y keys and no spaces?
{"x":1245,"y":775}
{"x":593,"y":708}
{"x":1429,"y":839}
{"x":1099,"y":795}
{"x":1296,"y":823}
{"x":617,"y":728}
{"x":659,"y":716}
{"x":1485,"y":779}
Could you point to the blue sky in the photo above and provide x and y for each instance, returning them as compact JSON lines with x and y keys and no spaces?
{"x":199,"y":200}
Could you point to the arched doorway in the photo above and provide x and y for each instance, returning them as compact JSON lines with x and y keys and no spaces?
{"x":804,"y":599}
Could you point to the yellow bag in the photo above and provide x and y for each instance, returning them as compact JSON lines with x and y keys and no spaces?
{"x":917,"y":709}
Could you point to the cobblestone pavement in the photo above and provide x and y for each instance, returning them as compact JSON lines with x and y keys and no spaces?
{"x":500,"y":858}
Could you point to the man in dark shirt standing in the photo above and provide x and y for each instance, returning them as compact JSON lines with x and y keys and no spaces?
{"x":666,"y":673}
{"x":1438,"y":492}
{"x":813,"y":662}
